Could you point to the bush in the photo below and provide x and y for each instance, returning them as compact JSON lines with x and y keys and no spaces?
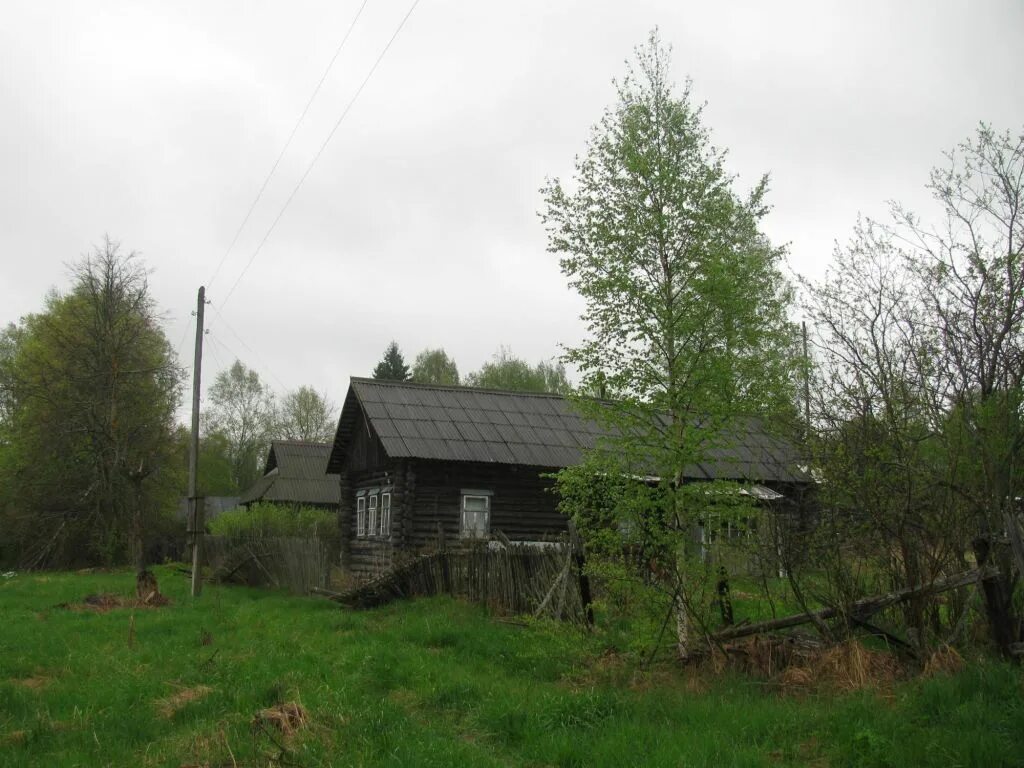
{"x":264,"y":520}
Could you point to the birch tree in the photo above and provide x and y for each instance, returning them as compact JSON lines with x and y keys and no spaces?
{"x":306,"y":414}
{"x":685,"y":303}
{"x":242,"y":409}
{"x":434,"y":366}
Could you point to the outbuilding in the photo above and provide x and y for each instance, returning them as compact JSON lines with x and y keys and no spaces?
{"x":296,"y":475}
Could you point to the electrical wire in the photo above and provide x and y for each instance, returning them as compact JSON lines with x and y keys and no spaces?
{"x":212,"y":346}
{"x":266,"y":368}
{"x":320,"y":151}
{"x":191,"y":326}
{"x":287,"y":144}
{"x":229,"y":352}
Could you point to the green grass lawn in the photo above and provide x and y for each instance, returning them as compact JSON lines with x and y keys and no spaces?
{"x":430,"y":682}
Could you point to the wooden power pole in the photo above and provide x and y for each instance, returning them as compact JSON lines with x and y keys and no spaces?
{"x":196,"y":517}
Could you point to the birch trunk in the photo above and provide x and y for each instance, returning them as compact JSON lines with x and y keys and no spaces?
{"x":682,"y":629}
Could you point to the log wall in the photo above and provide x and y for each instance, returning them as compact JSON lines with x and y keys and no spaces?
{"x":523,"y":507}
{"x":369,"y":555}
{"x":428,"y":494}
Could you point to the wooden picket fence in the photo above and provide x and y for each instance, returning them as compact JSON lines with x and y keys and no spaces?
{"x":296,"y":564}
{"x":515,"y":578}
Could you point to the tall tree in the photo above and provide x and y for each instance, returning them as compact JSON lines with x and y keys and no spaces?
{"x":434,"y":366}
{"x":883,"y":470}
{"x":392,"y":366}
{"x":90,"y":391}
{"x":507,"y":371}
{"x":9,"y":338}
{"x":216,"y":468}
{"x":306,"y":414}
{"x":921,"y":331}
{"x":685,"y":302}
{"x":970,"y":267}
{"x":242,"y":409}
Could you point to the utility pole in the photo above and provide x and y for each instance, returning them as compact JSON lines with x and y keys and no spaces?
{"x":196,"y":517}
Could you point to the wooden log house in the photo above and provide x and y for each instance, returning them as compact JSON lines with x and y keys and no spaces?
{"x":419,"y":462}
{"x":295,"y":475}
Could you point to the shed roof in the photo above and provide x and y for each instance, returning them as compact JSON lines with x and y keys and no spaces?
{"x":448,"y":423}
{"x":296,"y":473}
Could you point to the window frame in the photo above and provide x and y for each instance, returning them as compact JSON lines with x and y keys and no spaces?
{"x":469,"y":493}
{"x":371,"y":513}
{"x":385,"y":513}
{"x":361,"y":514}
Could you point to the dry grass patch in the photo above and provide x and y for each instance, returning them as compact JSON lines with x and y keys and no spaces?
{"x":799,"y":666}
{"x":850,"y":666}
{"x":107,"y":601}
{"x":13,"y":738}
{"x":945,"y":661}
{"x":33,"y":683}
{"x":169,"y":706}
{"x":286,"y":718}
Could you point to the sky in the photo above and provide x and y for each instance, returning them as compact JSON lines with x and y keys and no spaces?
{"x":157,"y":123}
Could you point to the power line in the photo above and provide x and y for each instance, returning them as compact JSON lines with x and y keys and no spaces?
{"x":287,"y":144}
{"x":230,"y":353}
{"x":253,"y":352}
{"x":189,"y":327}
{"x":320,"y":151}
{"x":213,"y":350}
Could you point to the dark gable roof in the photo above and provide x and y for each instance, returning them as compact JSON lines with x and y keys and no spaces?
{"x":490,"y":426}
{"x":298,"y":458}
{"x":296,"y":473}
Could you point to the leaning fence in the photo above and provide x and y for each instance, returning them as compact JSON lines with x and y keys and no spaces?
{"x":292,"y":563}
{"x":510,"y":579}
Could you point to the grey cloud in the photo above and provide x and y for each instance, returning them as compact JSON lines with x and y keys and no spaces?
{"x":157,"y":122}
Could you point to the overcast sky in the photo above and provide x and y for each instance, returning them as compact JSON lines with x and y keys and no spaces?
{"x":157,"y":122}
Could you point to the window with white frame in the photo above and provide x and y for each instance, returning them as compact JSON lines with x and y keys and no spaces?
{"x":361,"y":513}
{"x":385,"y":513}
{"x":476,"y":514}
{"x":372,"y":505}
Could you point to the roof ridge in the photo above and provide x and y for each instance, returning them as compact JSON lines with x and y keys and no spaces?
{"x":453,"y":387}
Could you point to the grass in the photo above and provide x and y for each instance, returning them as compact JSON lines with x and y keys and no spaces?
{"x":431,"y":683}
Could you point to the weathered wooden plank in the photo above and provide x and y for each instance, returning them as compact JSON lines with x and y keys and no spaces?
{"x":510,"y":580}
{"x":860,"y":610}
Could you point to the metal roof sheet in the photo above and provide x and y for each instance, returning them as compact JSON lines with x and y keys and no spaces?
{"x":465,"y":424}
{"x":295,"y":472}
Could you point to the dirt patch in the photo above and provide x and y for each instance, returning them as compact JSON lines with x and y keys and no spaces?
{"x":102,"y":603}
{"x":609,"y":666}
{"x":13,"y":738}
{"x":286,"y":718}
{"x":693,"y":679}
{"x":172,"y":704}
{"x":810,"y":754}
{"x":34,"y":683}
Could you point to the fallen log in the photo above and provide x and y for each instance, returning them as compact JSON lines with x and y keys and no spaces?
{"x":860,"y":610}
{"x":886,"y":635}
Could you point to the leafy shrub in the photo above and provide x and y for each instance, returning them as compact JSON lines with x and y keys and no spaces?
{"x":265,"y":520}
